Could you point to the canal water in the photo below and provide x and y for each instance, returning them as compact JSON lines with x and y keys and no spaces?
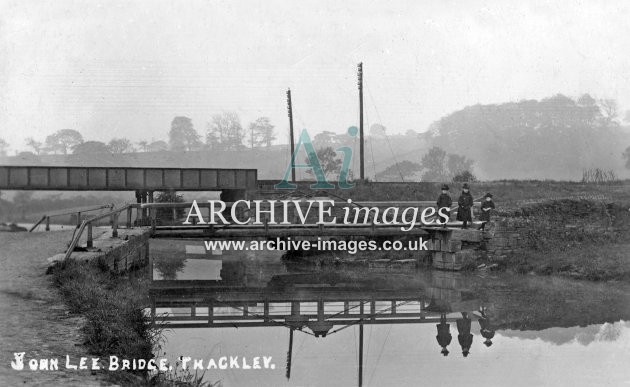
{"x":516,"y":330}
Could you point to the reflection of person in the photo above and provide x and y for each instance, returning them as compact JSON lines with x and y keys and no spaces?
{"x":486,"y":209}
{"x":464,"y":336}
{"x":444,"y":336}
{"x":444,"y":200}
{"x":487,"y":331}
{"x":465,"y":203}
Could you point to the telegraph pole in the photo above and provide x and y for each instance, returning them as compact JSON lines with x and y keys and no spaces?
{"x":290,"y":110}
{"x":360,"y":84}
{"x":361,"y":312}
{"x":289,"y":354}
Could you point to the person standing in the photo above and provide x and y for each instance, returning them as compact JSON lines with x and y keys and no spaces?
{"x":487,"y":331}
{"x":486,"y":209}
{"x":465,"y":203}
{"x":444,"y":336}
{"x":444,"y":201}
{"x":464,"y":336}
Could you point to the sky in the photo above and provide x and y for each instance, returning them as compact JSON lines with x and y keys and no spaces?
{"x":125,"y":69}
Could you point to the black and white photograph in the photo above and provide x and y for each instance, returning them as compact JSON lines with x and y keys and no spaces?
{"x":213,"y":193}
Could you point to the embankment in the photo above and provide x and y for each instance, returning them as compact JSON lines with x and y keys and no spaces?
{"x":108,"y":287}
{"x":582,"y":239}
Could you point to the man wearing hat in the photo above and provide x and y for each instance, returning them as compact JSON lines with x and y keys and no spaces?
{"x":444,"y":200}
{"x":464,"y":336}
{"x":486,"y":208}
{"x":465,"y":203}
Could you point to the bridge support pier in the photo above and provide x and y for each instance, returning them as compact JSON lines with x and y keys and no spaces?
{"x":446,"y":247}
{"x":232,"y":195}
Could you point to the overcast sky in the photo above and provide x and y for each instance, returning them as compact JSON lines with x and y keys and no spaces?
{"x":120,"y":69}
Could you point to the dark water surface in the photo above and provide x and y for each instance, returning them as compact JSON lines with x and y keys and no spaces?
{"x":537,"y":331}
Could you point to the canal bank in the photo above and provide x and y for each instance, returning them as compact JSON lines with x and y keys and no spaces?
{"x":580,"y":239}
{"x":34,"y":317}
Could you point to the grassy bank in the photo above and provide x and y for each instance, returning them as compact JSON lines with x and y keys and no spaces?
{"x":115,"y":323}
{"x":508,"y":194}
{"x":594,"y":262}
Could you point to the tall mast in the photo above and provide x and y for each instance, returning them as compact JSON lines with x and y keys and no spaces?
{"x":290,"y":111}
{"x":360,"y":84}
{"x":361,"y":354}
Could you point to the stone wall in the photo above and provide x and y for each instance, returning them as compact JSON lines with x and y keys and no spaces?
{"x":128,"y":250}
{"x":551,"y":224}
{"x":132,"y":251}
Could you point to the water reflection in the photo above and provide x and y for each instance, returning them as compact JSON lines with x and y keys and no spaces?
{"x":389,"y":327}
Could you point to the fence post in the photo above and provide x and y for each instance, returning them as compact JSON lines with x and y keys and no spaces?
{"x":128,"y":217}
{"x":48,"y":223}
{"x":153,"y":217}
{"x":89,"y":235}
{"x":78,"y":219}
{"x":115,"y":225}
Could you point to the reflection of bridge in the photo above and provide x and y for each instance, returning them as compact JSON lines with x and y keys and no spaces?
{"x":318,"y":309}
{"x":322,"y":309}
{"x":299,"y":300}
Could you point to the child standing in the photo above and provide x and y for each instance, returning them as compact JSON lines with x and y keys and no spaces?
{"x":444,"y":200}
{"x":465,"y":203}
{"x":486,"y":208}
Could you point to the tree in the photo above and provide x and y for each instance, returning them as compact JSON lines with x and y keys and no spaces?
{"x":225,"y":132}
{"x":328,"y":160}
{"x":183,"y":136}
{"x":120,"y":145}
{"x":434,"y":165}
{"x":610,"y":111}
{"x":157,"y":146}
{"x":399,"y":171}
{"x":626,"y":155}
{"x":63,"y":140}
{"x":164,"y":214}
{"x":457,"y":164}
{"x":3,"y":147}
{"x":326,"y":139}
{"x":143,"y":146}
{"x":90,"y":147}
{"x":36,"y":145}
{"x":586,"y":100}
{"x":438,"y":165}
{"x":377,"y":130}
{"x":261,"y":133}
{"x":22,"y":202}
{"x":464,"y":177}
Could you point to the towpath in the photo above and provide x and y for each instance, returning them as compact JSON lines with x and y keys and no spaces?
{"x":33,"y":317}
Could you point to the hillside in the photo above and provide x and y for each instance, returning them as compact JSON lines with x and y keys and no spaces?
{"x":555,"y":138}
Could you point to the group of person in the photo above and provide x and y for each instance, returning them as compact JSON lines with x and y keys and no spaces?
{"x":465,"y":205}
{"x":464,"y":336}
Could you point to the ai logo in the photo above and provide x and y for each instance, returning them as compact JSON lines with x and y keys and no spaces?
{"x":315,"y":165}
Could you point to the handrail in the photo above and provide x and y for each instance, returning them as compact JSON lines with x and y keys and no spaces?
{"x":423,"y":203}
{"x":88,"y":223}
{"x":77,"y":210}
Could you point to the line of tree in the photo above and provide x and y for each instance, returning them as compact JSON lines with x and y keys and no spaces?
{"x":224,"y":132}
{"x":436,"y":165}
